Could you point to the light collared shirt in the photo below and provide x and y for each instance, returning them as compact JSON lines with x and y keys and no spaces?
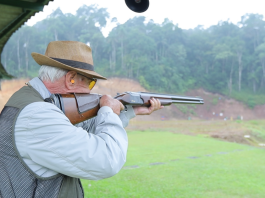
{"x":49,"y":144}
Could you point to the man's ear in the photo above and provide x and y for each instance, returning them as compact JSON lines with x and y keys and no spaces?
{"x":71,"y":80}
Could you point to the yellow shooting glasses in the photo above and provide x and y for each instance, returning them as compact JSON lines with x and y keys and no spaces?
{"x":92,"y":82}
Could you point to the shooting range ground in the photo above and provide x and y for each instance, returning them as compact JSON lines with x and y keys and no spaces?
{"x":168,"y":164}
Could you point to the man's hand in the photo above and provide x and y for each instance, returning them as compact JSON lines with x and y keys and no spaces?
{"x":115,"y":105}
{"x":155,"y":105}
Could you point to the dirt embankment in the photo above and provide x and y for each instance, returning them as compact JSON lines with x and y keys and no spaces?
{"x":230,"y":109}
{"x":216,"y":107}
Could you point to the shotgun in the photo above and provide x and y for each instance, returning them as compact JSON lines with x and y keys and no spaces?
{"x":80,"y":107}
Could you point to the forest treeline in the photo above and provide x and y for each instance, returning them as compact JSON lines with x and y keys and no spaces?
{"x":227,"y":58}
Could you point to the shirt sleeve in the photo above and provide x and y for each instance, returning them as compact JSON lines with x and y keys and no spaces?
{"x":55,"y":143}
{"x":125,"y":116}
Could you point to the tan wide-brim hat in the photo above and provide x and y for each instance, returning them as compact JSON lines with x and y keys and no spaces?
{"x":69,"y":55}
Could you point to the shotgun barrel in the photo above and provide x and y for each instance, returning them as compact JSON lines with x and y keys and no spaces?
{"x":143,"y":99}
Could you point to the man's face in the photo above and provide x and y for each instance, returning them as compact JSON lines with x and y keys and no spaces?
{"x":82,"y":84}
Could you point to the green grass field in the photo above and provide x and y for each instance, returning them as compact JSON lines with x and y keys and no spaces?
{"x":163,"y":164}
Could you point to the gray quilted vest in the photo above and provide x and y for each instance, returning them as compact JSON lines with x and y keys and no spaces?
{"x":16,"y":178}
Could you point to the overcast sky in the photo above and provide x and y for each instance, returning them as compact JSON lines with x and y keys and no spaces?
{"x":186,"y":13}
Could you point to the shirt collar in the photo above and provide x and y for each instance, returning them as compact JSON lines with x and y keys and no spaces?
{"x":37,"y":84}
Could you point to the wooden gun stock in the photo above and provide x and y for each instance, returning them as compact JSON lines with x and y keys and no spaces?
{"x":80,"y":107}
{"x":76,"y":107}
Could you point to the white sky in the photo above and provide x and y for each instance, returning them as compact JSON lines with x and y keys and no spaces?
{"x":186,"y":13}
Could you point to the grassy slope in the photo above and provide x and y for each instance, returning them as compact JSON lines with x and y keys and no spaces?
{"x":257,"y":126}
{"x":232,"y":170}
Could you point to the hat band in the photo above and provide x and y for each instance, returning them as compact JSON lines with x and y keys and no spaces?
{"x":75,"y":64}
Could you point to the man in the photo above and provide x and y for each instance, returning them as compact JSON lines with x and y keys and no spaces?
{"x":41,"y":153}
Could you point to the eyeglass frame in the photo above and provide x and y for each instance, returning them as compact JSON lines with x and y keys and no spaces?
{"x":92,"y":80}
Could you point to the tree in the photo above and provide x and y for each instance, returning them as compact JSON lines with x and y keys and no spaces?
{"x":260,"y":51}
